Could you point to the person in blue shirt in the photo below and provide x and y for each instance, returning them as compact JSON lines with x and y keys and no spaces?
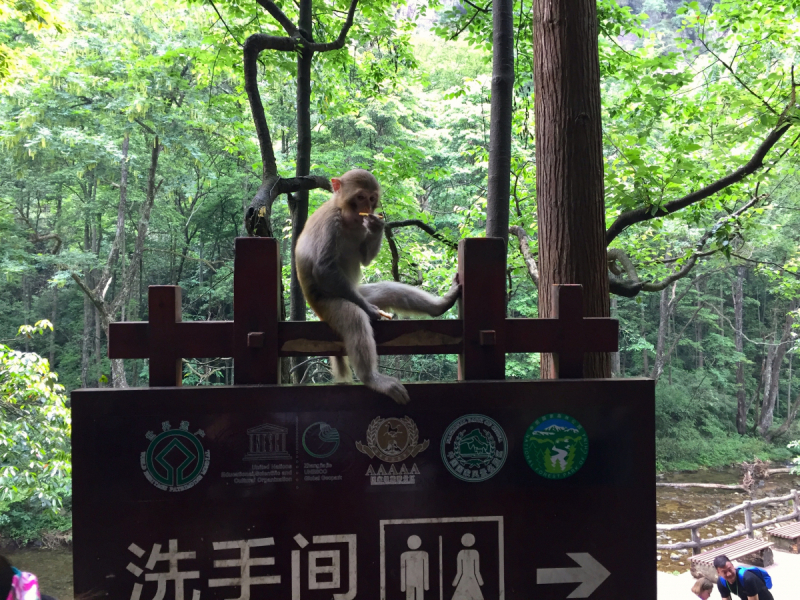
{"x":750,"y":586}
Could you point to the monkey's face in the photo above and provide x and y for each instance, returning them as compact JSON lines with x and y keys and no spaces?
{"x":357,"y":194}
{"x":360,"y":204}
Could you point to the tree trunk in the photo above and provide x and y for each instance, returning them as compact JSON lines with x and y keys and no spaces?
{"x":569,"y":163}
{"x":738,"y":340}
{"x":775,"y":356}
{"x":791,"y":415}
{"x":698,"y":332}
{"x":499,"y":184}
{"x":98,"y":352}
{"x":616,"y":369}
{"x":298,"y":202}
{"x":107,"y":311}
{"x":26,"y":308}
{"x":54,"y":321}
{"x":645,"y":354}
{"x":661,"y":339}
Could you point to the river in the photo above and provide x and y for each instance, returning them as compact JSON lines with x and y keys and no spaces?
{"x":54,"y":567}
{"x":676,"y":505}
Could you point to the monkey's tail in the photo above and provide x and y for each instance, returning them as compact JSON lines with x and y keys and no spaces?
{"x":340,"y":367}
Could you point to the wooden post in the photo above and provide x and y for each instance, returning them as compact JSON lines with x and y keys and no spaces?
{"x":482,"y":272}
{"x":256,"y":338}
{"x":164,"y":305}
{"x":569,"y":311}
{"x":748,"y":518}
{"x":696,"y":539}
{"x":256,"y":306}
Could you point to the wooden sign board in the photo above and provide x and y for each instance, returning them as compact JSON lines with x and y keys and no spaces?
{"x":475,"y":490}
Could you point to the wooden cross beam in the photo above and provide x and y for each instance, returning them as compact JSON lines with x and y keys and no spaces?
{"x":256,"y":338}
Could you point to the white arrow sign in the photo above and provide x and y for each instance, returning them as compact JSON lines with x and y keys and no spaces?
{"x":590,"y":575}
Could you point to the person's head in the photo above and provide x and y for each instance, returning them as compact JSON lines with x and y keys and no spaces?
{"x":702,"y":588}
{"x":6,"y":575}
{"x":725,"y":568}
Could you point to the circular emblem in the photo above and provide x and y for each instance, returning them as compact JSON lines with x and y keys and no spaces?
{"x":320,"y":440}
{"x":175,"y":460}
{"x":556,"y":446}
{"x":392,"y":440}
{"x":474,"y":447}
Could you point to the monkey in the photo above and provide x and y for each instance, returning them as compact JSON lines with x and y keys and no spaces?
{"x":339,"y":238}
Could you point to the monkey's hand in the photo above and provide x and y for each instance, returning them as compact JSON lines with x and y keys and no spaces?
{"x":374,"y":223}
{"x":373,"y":312}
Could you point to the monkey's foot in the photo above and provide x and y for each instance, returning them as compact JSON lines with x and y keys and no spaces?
{"x":389,"y":386}
{"x":450,"y":298}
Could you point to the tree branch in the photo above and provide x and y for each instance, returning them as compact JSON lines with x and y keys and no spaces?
{"x":36,"y":237}
{"x":257,"y":217}
{"x":113,"y":255}
{"x":631,"y":287}
{"x":424,"y":226}
{"x":736,"y":77}
{"x":395,"y":254}
{"x":253,"y":46}
{"x":279,"y":16}
{"x":524,"y":248}
{"x":339,"y":42}
{"x":645,"y":213}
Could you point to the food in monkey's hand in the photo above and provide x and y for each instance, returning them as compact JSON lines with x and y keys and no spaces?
{"x":384,"y":314}
{"x":368,"y":214}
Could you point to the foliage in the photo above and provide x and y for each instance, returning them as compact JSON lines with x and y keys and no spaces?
{"x":695,"y":430}
{"x":688,"y":93}
{"x":795,"y":447}
{"x":34,"y":428}
{"x":23,"y":522}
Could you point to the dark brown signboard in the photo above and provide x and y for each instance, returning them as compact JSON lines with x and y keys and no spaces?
{"x":475,"y":490}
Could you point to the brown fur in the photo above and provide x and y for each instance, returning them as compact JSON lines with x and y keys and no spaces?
{"x":330,"y":252}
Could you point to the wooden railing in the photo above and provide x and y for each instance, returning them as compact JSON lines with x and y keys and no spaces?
{"x":793,"y":498}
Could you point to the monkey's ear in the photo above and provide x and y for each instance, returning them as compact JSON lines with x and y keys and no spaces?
{"x":336,"y":183}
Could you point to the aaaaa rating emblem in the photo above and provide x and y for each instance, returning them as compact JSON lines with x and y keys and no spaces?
{"x":556,"y":446}
{"x":474,"y":448}
{"x":175,"y":460}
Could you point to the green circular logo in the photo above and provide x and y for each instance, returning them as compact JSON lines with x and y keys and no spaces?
{"x":320,"y":440}
{"x":556,"y":446}
{"x":474,"y":447}
{"x":175,"y":460}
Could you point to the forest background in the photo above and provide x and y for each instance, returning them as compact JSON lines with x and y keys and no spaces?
{"x":129,"y":157}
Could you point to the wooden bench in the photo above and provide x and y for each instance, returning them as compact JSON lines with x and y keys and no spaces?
{"x":786,"y":538}
{"x":751,"y":552}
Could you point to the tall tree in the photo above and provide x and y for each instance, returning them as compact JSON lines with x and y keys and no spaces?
{"x":107,"y":311}
{"x":569,"y":163}
{"x":499,"y":183}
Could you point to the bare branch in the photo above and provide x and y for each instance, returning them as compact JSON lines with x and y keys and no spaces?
{"x":228,"y":29}
{"x":736,"y":77}
{"x":339,"y":42}
{"x":524,"y":248}
{"x":424,"y":226}
{"x":645,"y":213}
{"x":279,"y":16}
{"x":145,"y":126}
